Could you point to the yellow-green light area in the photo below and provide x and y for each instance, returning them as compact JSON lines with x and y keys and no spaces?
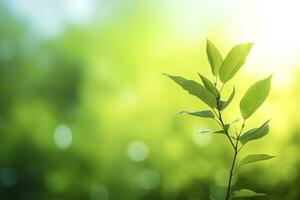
{"x":86,"y":112}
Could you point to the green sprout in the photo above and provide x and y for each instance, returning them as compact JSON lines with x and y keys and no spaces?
{"x":210,"y":92}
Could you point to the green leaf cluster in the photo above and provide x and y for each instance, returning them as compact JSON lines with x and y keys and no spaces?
{"x":224,"y":70}
{"x":209,"y":91}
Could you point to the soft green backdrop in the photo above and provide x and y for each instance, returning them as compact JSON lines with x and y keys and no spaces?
{"x":85,"y":112}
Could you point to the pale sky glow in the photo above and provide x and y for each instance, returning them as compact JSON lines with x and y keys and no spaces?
{"x":273,"y":27}
{"x":270,"y":24}
{"x":48,"y":17}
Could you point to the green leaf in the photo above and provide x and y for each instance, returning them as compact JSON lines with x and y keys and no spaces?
{"x":214,"y":57}
{"x":202,"y":113}
{"x":246,"y":193}
{"x":209,"y":132}
{"x":224,"y":104}
{"x":254,"y":97}
{"x":234,"y":61}
{"x":195,"y":89}
{"x":254,"y":158}
{"x":209,"y":85}
{"x":255,"y":133}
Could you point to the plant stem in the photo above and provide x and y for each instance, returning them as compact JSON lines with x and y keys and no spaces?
{"x":236,"y":151}
{"x":231,"y":170}
{"x":223,"y":126}
{"x":235,"y":146}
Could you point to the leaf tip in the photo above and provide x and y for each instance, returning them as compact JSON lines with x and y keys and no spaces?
{"x":200,"y":75}
{"x":250,"y":44}
{"x":270,"y":76}
{"x":182,"y":113}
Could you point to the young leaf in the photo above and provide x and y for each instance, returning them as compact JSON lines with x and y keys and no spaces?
{"x":214,"y":57}
{"x":226,"y":127}
{"x":234,"y":61}
{"x":209,"y":132}
{"x":246,"y":193}
{"x":254,"y":97}
{"x":255,"y":133}
{"x":209,"y":85}
{"x":254,"y":158}
{"x":224,"y":104}
{"x":202,"y":113}
{"x":195,"y":89}
{"x":235,"y":121}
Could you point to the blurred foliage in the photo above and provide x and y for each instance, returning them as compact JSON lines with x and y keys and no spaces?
{"x":103,"y":83}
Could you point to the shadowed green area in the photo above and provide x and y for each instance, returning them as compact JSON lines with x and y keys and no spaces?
{"x":87,"y":114}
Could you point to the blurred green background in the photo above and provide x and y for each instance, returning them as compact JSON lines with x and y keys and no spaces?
{"x":85,"y":112}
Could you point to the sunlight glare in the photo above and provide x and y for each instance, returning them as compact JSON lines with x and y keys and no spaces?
{"x":272,"y":25}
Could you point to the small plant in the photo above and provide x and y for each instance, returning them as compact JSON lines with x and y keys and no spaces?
{"x":211,"y":94}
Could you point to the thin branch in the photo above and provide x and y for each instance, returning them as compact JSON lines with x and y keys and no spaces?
{"x":223,"y":126}
{"x":235,"y":146}
{"x":222,"y":87}
{"x":232,"y":169}
{"x":217,"y":122}
{"x":242,"y":127}
{"x":236,"y":133}
{"x":230,"y":140}
{"x":240,"y":148}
